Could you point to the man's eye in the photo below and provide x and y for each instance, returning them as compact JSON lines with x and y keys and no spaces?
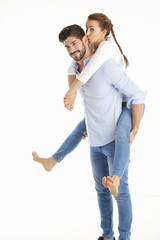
{"x":91,"y":29}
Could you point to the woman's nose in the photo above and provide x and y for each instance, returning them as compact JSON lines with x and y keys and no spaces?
{"x":87,"y":33}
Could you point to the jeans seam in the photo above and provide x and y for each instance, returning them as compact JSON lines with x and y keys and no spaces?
{"x":69,"y":145}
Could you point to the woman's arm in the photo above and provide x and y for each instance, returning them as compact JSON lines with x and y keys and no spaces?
{"x":105,"y":51}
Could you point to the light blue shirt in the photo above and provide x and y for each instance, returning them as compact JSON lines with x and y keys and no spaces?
{"x":102,"y":99}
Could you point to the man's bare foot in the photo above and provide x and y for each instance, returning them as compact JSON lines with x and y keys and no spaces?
{"x":48,"y":163}
{"x":112,"y":183}
{"x":109,"y":239}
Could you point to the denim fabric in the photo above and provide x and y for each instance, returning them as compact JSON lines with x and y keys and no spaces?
{"x":71,"y":142}
{"x":122,"y":149}
{"x":111,"y":159}
{"x":102,"y":160}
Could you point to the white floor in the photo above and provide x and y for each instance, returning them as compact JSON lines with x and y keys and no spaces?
{"x":72,"y":219}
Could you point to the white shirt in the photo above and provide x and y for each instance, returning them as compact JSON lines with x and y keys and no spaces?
{"x":106,"y":50}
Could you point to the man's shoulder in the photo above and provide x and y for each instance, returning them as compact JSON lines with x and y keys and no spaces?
{"x":109,"y":63}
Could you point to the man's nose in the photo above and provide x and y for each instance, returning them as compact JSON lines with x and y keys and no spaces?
{"x":72,"y":49}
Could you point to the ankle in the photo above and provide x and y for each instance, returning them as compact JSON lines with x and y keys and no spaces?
{"x":53,"y":160}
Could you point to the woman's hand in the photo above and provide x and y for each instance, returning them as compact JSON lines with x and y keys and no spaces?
{"x":69,"y":106}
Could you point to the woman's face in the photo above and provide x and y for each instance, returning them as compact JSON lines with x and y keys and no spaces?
{"x":94,"y":33}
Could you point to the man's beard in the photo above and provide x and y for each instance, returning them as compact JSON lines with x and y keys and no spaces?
{"x":78,"y":58}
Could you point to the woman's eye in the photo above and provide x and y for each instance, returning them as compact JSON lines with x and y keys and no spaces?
{"x":91,"y":29}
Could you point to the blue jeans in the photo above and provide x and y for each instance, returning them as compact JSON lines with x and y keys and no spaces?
{"x":122,"y":149}
{"x":102,"y":160}
{"x":71,"y":142}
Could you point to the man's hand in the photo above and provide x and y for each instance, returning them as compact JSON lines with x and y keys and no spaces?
{"x":69,"y":101}
{"x":132,"y":135}
{"x":137,"y":112}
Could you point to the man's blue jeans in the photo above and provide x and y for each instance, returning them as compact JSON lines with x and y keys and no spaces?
{"x":102,"y":160}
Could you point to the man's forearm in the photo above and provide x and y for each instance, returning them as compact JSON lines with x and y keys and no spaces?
{"x":74,"y":87}
{"x":137,"y":112}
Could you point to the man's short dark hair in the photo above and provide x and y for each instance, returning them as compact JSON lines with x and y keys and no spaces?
{"x":72,"y":30}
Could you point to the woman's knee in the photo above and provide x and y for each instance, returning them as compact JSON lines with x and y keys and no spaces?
{"x":122,"y":133}
{"x":81,"y":127}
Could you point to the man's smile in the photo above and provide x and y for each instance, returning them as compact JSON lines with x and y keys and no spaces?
{"x":75,"y":53}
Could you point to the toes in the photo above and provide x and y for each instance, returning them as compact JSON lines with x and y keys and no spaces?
{"x":104,"y":179}
{"x":110,"y":179}
{"x":34,"y":154}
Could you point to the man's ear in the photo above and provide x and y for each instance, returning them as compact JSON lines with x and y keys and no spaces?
{"x":85,"y":40}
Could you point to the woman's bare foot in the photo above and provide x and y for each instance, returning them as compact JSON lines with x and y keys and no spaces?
{"x":48,"y":163}
{"x":112,"y":183}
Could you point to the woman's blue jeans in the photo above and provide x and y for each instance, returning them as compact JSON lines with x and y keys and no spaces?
{"x":122,"y":149}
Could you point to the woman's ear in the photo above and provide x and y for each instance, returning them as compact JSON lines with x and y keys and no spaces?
{"x":104,"y":31}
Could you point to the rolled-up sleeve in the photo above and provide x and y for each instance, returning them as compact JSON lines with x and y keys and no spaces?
{"x":123,"y":83}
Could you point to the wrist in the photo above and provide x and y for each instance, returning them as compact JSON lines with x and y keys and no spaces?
{"x":134,"y":130}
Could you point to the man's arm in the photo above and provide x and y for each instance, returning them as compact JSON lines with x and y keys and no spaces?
{"x":136,"y":97}
{"x":74,"y":86}
{"x":69,"y":100}
{"x":70,"y":96}
{"x":71,"y":79}
{"x":137,"y":112}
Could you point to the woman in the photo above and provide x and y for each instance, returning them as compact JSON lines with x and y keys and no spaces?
{"x":98,"y":30}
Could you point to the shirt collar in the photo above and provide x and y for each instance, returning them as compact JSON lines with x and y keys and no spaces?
{"x":76,"y":66}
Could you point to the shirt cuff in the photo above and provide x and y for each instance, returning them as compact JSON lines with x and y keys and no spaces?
{"x":139,"y":98}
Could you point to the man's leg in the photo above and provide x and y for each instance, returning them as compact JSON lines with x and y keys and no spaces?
{"x":70,"y":143}
{"x":100,"y":168}
{"x":123,"y":198}
{"x":124,"y":208}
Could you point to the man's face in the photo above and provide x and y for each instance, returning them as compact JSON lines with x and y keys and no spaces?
{"x":75,"y":47}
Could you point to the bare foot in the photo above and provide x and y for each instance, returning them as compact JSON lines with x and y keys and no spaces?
{"x":48,"y":163}
{"x":112,"y":183}
{"x":109,"y":239}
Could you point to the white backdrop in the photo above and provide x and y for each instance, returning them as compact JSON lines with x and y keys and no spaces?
{"x":33,"y":81}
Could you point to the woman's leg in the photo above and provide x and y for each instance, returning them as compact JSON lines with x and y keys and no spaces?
{"x":122,"y":150}
{"x":70,"y":143}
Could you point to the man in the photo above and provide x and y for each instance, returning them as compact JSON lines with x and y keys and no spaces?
{"x":102,"y":101}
